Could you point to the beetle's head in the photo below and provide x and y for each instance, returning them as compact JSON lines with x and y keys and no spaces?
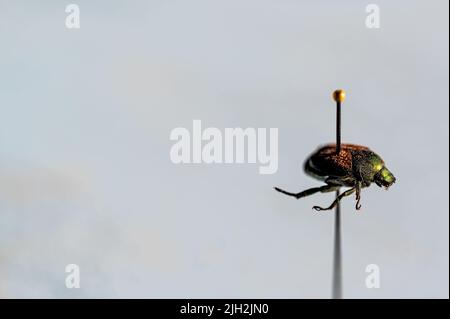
{"x":384,"y":178}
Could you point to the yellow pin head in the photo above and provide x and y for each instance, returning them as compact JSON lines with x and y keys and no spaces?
{"x":339,"y":95}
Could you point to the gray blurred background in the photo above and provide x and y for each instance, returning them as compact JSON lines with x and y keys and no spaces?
{"x":85,"y":173}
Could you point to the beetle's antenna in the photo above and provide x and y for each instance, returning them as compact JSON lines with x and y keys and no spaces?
{"x":338,"y":96}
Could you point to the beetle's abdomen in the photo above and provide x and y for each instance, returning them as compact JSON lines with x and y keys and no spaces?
{"x":325,"y":162}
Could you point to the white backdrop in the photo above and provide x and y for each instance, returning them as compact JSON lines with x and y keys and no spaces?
{"x":85,"y":173}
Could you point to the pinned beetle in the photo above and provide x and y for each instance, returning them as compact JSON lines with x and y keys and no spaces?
{"x":354,"y":166}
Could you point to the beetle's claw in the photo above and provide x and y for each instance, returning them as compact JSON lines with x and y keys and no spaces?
{"x":358,"y":200}
{"x":318,"y":208}
{"x":358,"y":205}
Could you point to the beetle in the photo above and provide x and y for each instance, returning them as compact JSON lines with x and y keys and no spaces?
{"x":355,"y":166}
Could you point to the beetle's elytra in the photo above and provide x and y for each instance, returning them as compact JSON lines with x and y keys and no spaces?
{"x":354,"y":166}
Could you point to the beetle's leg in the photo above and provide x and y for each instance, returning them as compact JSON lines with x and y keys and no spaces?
{"x":322,"y":189}
{"x":358,"y":195}
{"x":337,"y":200}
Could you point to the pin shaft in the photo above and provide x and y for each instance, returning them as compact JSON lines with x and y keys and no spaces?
{"x":337,"y":254}
{"x":338,"y":96}
{"x":338,"y":127}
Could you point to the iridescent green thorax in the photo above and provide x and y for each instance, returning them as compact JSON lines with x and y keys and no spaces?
{"x":378,"y":172}
{"x":382,"y":176}
{"x":377,"y":162}
{"x":365,"y":165}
